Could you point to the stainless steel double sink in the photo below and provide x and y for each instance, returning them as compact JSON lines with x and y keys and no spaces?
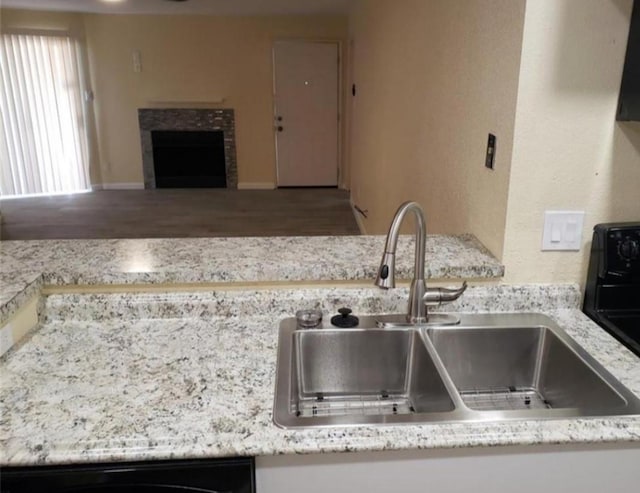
{"x":488,"y":368}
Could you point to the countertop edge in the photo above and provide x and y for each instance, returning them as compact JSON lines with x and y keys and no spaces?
{"x":29,"y":265}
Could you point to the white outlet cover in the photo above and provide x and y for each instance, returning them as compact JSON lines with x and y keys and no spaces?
{"x":562,"y":230}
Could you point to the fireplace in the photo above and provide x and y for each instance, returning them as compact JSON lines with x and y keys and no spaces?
{"x":188,"y":159}
{"x":186,"y":148}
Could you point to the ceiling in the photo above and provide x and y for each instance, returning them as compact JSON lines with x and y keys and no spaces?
{"x":215,"y":7}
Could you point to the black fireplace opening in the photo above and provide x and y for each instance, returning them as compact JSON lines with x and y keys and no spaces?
{"x":189,"y":159}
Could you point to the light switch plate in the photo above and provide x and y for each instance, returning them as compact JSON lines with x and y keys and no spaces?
{"x":562,"y":230}
{"x":136,"y":59}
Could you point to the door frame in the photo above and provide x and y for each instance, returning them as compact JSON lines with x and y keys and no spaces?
{"x":340,"y":46}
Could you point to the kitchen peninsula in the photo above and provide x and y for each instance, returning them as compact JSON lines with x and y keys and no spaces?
{"x":166,"y":349}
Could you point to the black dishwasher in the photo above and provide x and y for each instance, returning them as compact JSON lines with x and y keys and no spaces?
{"x":183,"y":476}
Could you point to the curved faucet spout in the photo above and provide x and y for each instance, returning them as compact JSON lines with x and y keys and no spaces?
{"x":386,"y":273}
{"x":419,"y":295}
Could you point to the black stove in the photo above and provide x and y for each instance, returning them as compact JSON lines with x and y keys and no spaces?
{"x":612,"y":294}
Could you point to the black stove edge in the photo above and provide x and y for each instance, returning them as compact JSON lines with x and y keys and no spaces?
{"x":607,"y":325}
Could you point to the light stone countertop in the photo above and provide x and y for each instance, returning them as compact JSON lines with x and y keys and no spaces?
{"x":25,"y":266}
{"x":157,"y":376}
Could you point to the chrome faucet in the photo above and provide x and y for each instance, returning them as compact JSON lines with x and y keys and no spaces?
{"x":419,"y":295}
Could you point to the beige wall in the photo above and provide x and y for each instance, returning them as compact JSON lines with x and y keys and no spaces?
{"x":569,"y":153}
{"x":433,"y":79}
{"x":191,"y":58}
{"x":30,"y":19}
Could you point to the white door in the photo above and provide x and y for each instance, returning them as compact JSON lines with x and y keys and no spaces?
{"x":306,"y":113}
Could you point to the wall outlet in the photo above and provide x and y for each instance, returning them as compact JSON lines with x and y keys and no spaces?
{"x":562,"y":230}
{"x":490,"y":158}
{"x":6,"y":338}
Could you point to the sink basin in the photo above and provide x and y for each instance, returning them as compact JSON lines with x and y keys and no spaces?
{"x":521,"y":369}
{"x":487,"y":368}
{"x":359,"y":372}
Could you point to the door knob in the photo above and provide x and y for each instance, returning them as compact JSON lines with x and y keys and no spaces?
{"x":280,"y":128}
{"x":279,"y":118}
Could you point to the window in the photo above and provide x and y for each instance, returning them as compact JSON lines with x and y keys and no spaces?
{"x":43,"y":139}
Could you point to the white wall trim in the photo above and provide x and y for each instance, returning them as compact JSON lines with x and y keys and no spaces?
{"x":256,"y":186}
{"x":359,"y":220}
{"x":118,"y":186}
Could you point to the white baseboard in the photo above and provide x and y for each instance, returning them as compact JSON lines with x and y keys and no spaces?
{"x":118,"y":186}
{"x":256,"y":186}
{"x":359,"y":220}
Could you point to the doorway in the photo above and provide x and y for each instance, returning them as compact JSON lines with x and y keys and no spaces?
{"x":306,"y":88}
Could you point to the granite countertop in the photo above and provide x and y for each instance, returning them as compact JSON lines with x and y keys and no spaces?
{"x":111,"y":377}
{"x":25,"y":266}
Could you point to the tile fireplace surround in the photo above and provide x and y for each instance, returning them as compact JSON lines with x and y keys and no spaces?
{"x":187,"y":119}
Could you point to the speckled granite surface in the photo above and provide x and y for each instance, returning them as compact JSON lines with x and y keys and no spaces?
{"x":110,"y":378}
{"x":283,"y":303}
{"x":206,"y":260}
{"x":16,"y":288}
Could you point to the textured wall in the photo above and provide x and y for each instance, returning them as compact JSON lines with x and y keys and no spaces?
{"x":433,"y":79}
{"x":569,"y":152}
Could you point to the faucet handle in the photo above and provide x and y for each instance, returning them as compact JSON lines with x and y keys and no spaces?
{"x":442,"y":296}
